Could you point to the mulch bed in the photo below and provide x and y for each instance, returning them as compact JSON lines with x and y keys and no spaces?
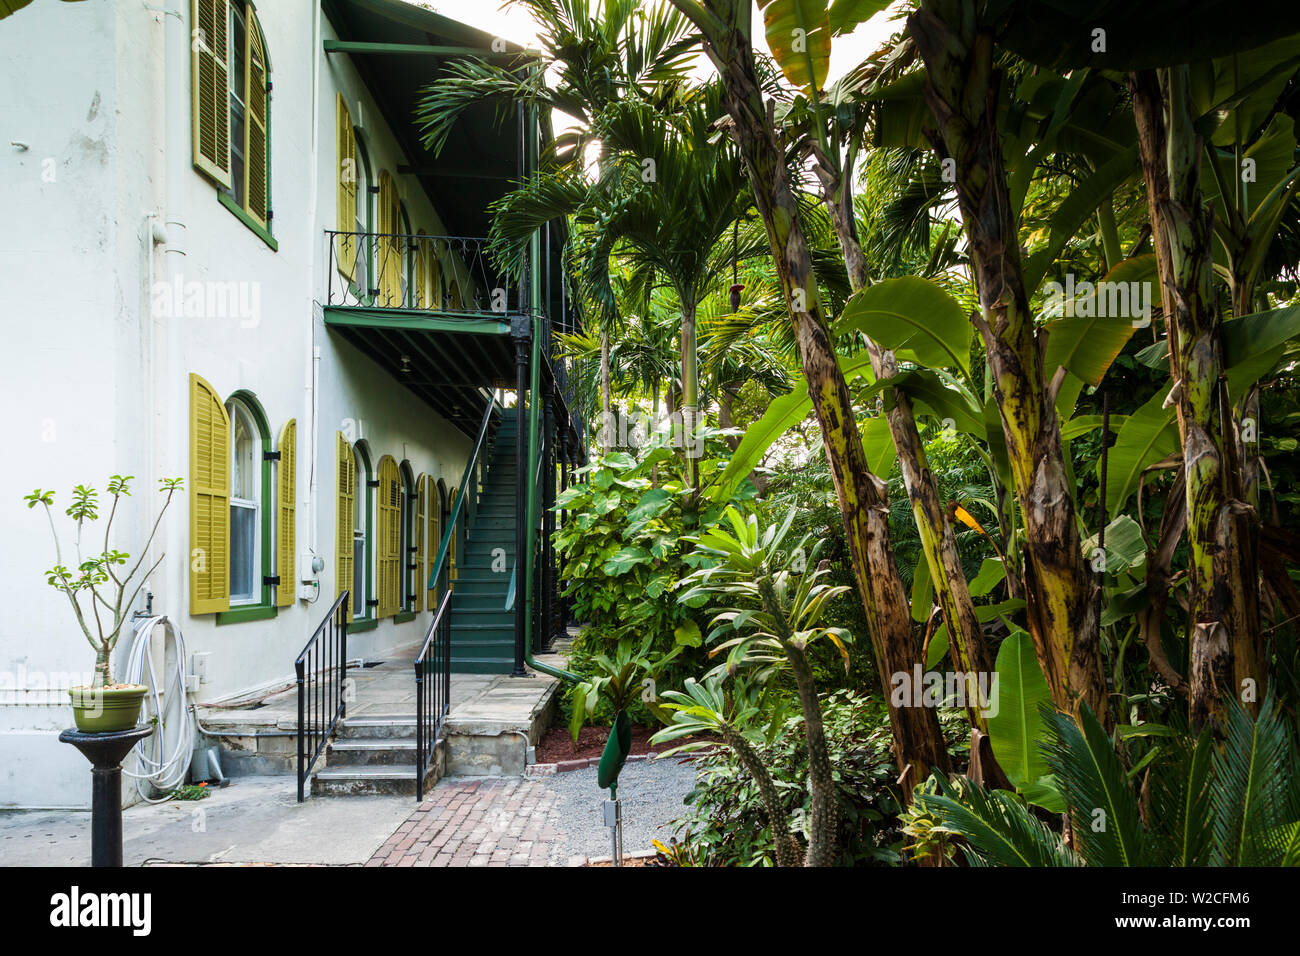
{"x":557,"y":745}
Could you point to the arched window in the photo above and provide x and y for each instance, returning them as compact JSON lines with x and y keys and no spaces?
{"x":252,"y":552}
{"x":361,"y":509}
{"x":242,"y":507}
{"x":245,"y":506}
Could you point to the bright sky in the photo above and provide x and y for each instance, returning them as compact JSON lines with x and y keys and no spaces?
{"x":514,"y":23}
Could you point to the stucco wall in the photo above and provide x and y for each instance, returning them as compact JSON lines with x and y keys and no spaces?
{"x":98,"y":373}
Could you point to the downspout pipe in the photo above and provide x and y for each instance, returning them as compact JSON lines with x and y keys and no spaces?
{"x":520,"y":332}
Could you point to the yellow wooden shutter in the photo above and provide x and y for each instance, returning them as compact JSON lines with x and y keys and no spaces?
{"x":435,"y":277}
{"x":286,"y":513}
{"x":210,"y":79}
{"x":422,"y":273}
{"x":421,"y":503}
{"x":451,"y":545}
{"x":257,"y":160}
{"x":347,"y":482}
{"x":388,"y":559}
{"x":209,"y":500}
{"x":347,"y":189}
{"x":434,"y":537}
{"x":389,"y":246}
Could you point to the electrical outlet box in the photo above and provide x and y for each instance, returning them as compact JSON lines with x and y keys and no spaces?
{"x":310,"y":565}
{"x":308,"y":590}
{"x":199,"y":666}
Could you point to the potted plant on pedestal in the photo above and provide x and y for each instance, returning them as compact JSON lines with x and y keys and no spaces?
{"x":101,"y":596}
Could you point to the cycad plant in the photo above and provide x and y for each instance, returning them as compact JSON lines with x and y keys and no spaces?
{"x":779,"y":601}
{"x":1196,"y":802}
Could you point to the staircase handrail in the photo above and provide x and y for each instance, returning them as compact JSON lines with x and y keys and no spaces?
{"x":459,"y":504}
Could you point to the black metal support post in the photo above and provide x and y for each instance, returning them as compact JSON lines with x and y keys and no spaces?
{"x":105,"y":753}
{"x":519,"y":329}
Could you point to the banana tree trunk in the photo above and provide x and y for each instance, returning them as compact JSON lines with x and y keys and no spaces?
{"x":864,"y":508}
{"x":938,"y":543}
{"x":1060,"y":611}
{"x":1225,"y":652}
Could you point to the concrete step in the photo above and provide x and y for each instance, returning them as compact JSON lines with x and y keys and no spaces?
{"x":378,"y":727}
{"x":356,"y":781}
{"x":372,"y":751}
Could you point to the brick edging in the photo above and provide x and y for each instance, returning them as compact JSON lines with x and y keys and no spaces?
{"x":564,"y":766}
{"x":591,"y":860}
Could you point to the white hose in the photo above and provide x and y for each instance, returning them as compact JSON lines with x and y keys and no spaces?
{"x":165,"y":774}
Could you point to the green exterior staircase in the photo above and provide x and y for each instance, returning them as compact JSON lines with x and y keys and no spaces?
{"x":482,"y":630}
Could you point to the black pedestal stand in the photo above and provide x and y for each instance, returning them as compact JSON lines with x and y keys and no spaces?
{"x":105,"y":753}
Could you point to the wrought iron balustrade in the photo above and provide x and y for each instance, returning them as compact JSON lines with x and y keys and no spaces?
{"x":416,"y":273}
{"x":321,"y":670}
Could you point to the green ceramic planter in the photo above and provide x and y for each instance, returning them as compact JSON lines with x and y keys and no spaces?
{"x":101,"y":710}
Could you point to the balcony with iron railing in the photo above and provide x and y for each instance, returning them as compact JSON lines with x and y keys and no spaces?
{"x":449,"y":275}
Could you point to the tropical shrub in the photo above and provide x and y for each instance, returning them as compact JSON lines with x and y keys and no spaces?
{"x":1184,"y":801}
{"x":727,"y":823}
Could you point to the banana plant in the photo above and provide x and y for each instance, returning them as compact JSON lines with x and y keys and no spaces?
{"x":725,"y":28}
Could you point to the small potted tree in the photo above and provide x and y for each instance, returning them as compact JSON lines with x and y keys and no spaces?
{"x":101,"y":597}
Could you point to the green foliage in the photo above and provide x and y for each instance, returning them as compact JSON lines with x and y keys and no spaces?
{"x":110,"y":593}
{"x":618,"y":681}
{"x":728,"y":823}
{"x":1184,"y":801}
{"x":779,"y":588}
{"x":1017,"y":728}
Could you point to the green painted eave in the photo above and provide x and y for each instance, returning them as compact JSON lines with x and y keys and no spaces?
{"x":416,"y":320}
{"x":451,"y":361}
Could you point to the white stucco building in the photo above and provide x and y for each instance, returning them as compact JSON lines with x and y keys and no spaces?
{"x":173,"y":176}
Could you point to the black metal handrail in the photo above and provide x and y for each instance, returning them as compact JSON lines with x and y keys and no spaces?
{"x":416,"y":272}
{"x":321,"y":670}
{"x":432,"y":690}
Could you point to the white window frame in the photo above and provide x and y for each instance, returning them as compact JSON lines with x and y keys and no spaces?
{"x":236,"y":410}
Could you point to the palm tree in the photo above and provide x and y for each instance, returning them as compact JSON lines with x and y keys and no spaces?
{"x":666,"y":194}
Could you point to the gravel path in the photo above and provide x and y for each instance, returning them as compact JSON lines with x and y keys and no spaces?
{"x":650,"y":791}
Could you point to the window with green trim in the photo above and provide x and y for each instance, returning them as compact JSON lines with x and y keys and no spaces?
{"x":251,"y":542}
{"x":362,"y":508}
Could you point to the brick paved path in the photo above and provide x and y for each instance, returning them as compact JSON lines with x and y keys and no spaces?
{"x":496,"y":822}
